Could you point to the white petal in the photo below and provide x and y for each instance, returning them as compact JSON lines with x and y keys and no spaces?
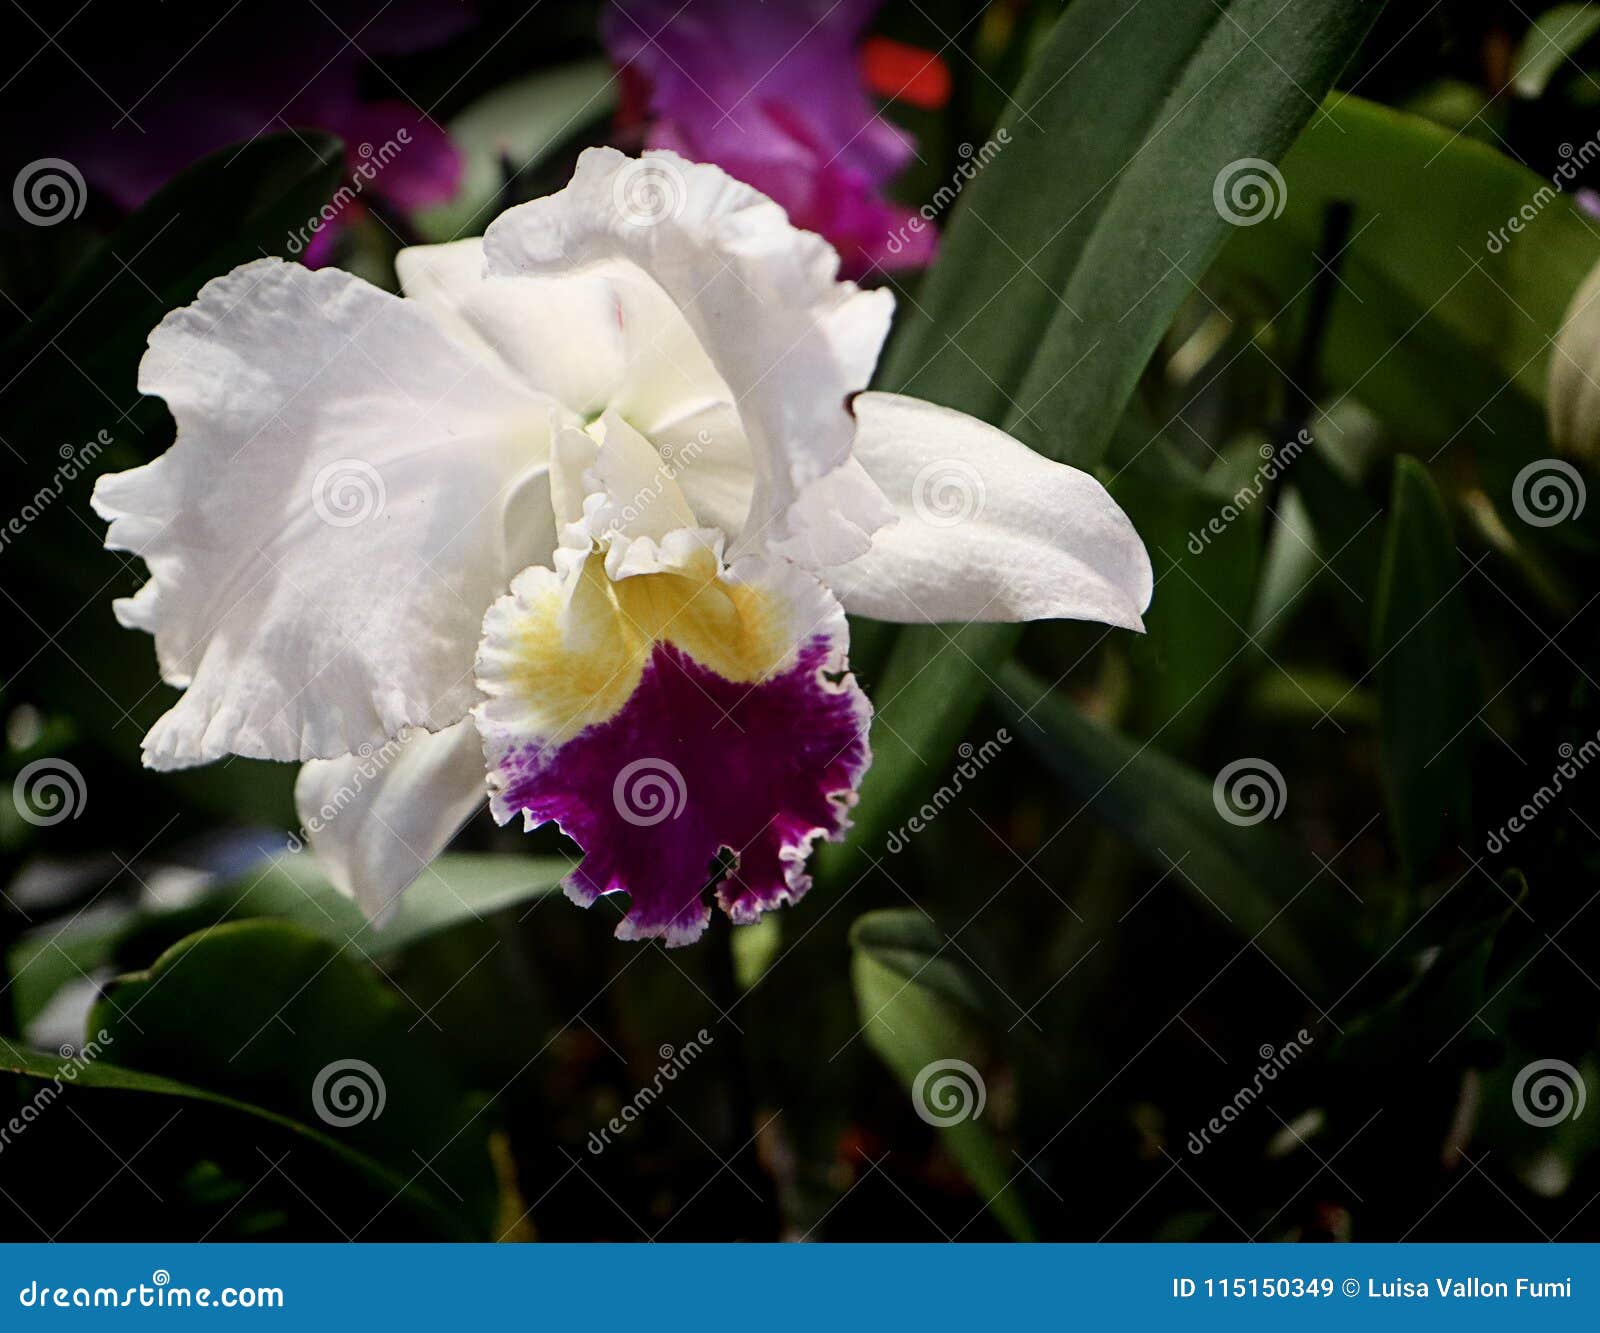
{"x":988,"y":529}
{"x":790,"y":340}
{"x":639,"y":496}
{"x":606,"y":337}
{"x":346,"y":493}
{"x":834,"y":518}
{"x":376,"y":821}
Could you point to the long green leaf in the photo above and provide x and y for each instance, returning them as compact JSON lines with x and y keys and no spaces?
{"x":1169,"y":812}
{"x":459,"y":887}
{"x":920,"y":1012}
{"x":313,"y":1036}
{"x":1459,"y":269}
{"x":1424,"y":654}
{"x":103,"y":1076}
{"x":1555,"y":37}
{"x":1072,"y":251}
{"x":1065,"y":263}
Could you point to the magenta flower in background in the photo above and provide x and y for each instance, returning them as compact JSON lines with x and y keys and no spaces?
{"x":260,"y":71}
{"x":772,"y":93}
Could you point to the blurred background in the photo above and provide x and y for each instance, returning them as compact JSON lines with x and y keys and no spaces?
{"x":1273,"y":923}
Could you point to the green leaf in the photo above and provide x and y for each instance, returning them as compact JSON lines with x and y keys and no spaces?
{"x":513,"y":129}
{"x":1104,"y":190}
{"x":459,"y":888}
{"x":1072,"y":251}
{"x":1555,"y":37}
{"x":1424,"y":654}
{"x":101,"y":1075}
{"x":230,"y":207}
{"x":1203,"y":532}
{"x":919,"y":1008}
{"x":1348,"y":535}
{"x":1248,"y":874}
{"x":308,"y":1034}
{"x":1443,"y":317}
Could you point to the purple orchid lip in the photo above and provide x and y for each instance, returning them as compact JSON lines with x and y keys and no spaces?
{"x":692,"y":766}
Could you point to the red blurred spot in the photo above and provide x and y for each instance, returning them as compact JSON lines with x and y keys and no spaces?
{"x":904,"y":73}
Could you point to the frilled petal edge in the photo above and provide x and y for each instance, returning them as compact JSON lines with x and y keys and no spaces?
{"x":330,"y":524}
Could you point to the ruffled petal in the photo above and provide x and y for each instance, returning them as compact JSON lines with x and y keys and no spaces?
{"x":988,"y":529}
{"x":790,"y":341}
{"x":347,"y":488}
{"x":376,"y":820}
{"x":666,"y":718}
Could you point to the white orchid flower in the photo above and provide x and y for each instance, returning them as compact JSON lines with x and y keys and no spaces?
{"x":582,"y":512}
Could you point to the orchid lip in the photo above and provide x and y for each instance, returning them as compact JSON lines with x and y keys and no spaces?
{"x":757,"y":772}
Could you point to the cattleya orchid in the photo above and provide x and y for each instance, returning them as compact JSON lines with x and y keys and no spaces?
{"x":584,"y":510}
